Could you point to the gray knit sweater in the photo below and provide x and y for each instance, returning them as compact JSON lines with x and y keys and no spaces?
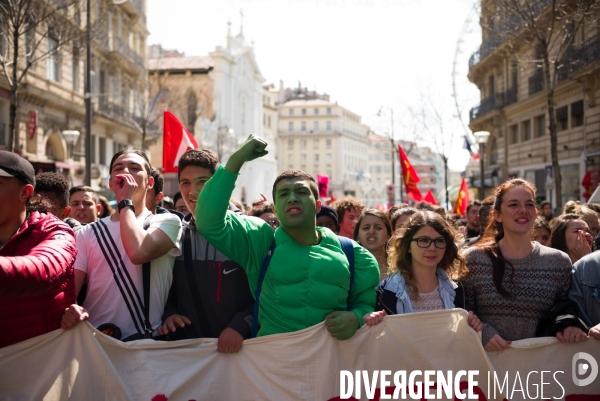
{"x":539,"y":278}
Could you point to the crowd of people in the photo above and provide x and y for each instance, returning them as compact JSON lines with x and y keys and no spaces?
{"x":203,"y":265}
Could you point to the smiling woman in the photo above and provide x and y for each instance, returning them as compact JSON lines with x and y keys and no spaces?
{"x":526,"y":279}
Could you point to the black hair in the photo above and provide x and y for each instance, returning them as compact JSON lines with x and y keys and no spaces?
{"x":298,"y":174}
{"x":158,"y":181}
{"x":205,"y":158}
{"x":138,"y":152}
{"x":54,"y":183}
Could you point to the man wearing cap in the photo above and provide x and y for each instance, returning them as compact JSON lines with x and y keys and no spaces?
{"x":327,"y":217}
{"x":37,"y":252}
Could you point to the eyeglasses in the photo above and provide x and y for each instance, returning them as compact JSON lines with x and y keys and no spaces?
{"x":424,"y":242}
{"x":274,"y":223}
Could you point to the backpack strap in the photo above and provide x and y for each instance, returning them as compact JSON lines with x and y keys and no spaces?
{"x":261,"y":277}
{"x":348,"y":249}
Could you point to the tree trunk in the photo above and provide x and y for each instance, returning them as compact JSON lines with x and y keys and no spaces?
{"x":553,"y":135}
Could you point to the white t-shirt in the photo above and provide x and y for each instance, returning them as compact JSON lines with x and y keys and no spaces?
{"x":104,"y":300}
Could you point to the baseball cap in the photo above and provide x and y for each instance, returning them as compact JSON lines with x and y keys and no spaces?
{"x":13,"y":165}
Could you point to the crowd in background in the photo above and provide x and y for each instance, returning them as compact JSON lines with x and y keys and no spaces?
{"x":193,"y":265}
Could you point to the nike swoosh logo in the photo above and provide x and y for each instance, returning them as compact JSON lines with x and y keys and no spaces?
{"x":227,"y":272}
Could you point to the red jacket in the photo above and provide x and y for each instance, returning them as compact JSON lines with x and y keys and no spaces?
{"x":36,"y":278}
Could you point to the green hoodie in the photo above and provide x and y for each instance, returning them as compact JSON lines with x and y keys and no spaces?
{"x":303,"y":283}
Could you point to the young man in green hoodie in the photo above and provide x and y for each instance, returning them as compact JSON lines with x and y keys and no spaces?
{"x":308,"y":278}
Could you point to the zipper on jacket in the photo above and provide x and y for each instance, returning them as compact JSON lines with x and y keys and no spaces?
{"x":218,"y":264}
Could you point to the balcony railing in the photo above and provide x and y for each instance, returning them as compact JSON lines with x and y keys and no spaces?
{"x":512,"y":24}
{"x":130,"y":55}
{"x":536,"y":82}
{"x":494,"y":102}
{"x":578,"y":57}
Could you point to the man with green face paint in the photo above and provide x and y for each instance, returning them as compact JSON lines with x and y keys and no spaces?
{"x":308,"y":279}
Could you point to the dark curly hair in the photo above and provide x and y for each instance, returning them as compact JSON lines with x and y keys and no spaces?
{"x":345,"y":204}
{"x":54,"y":183}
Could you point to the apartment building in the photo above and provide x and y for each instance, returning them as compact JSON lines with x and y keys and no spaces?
{"x":51,"y":101}
{"x":322,"y":137}
{"x":514,"y":109}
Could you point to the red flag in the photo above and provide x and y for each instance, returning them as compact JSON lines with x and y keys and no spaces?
{"x":176,"y":141}
{"x":410,"y":176}
{"x":323,"y":182}
{"x":430,"y":198}
{"x":463,"y":200}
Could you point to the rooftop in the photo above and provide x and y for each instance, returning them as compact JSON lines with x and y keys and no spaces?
{"x":204,"y":63}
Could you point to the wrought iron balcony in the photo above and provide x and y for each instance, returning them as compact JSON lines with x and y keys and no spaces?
{"x":512,"y":24}
{"x":130,"y":55}
{"x":576,"y":58}
{"x":494,"y":102}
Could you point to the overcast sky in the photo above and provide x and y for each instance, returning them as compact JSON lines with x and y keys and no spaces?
{"x":364,"y":53}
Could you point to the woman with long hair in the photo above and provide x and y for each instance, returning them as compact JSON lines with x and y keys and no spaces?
{"x":571,"y":234}
{"x":373,"y":231}
{"x":513,"y":282}
{"x":424,"y":261}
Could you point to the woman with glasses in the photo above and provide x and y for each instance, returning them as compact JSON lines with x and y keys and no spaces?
{"x":513,"y":283}
{"x":424,"y":260}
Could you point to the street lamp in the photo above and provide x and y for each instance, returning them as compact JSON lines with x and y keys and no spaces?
{"x":393,"y":152}
{"x":482,"y":138}
{"x":71,"y":137}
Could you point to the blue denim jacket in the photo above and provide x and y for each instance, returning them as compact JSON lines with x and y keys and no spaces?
{"x":585,"y":288}
{"x":397,"y":284}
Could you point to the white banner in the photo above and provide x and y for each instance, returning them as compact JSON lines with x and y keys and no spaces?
{"x":432,"y":347}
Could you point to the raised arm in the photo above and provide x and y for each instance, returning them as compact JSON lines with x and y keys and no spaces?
{"x":245,"y":240}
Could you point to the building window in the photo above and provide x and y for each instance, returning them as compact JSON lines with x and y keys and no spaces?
{"x":526,"y":128}
{"x":328,"y":159}
{"x":577,"y":114}
{"x":290,"y":127}
{"x":269,"y":121}
{"x":316,"y":144}
{"x":52,"y":63}
{"x":328,"y":127}
{"x":303,"y":159}
{"x":290,"y":143}
{"x":514,"y":134}
{"x":316,"y":111}
{"x":316,"y":159}
{"x":303,"y":144}
{"x":493,"y":154}
{"x":102,"y":150}
{"x":303,"y":126}
{"x":303,"y":112}
{"x":291,"y":112}
{"x":316,"y":127}
{"x":329,"y":110}
{"x":540,"y":126}
{"x":562,"y":118}
{"x":75,"y":68}
{"x":290,"y":159}
{"x":328,"y":143}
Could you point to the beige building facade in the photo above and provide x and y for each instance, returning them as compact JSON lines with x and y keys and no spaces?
{"x":513,"y":109}
{"x":322,"y":137}
{"x":51,"y":100}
